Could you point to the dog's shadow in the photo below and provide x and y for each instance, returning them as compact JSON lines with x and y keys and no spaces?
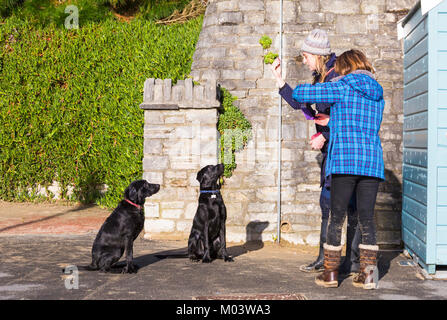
{"x":253,"y":239}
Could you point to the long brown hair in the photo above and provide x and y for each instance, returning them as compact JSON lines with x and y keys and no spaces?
{"x":321,"y":69}
{"x":352,"y":60}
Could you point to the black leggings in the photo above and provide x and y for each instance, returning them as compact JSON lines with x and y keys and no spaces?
{"x":342,"y":187}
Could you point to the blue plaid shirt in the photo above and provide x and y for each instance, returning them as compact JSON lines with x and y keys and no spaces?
{"x":356,"y":114}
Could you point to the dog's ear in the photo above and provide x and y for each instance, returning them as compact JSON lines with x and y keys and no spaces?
{"x":199,"y":176}
{"x":131,"y":193}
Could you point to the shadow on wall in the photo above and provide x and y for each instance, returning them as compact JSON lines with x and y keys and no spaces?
{"x":253,"y":239}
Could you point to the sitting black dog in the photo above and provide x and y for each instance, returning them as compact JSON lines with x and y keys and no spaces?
{"x":207,"y":238}
{"x":120,"y":229}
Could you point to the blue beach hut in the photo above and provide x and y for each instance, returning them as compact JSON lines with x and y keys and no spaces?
{"x":424,"y":171}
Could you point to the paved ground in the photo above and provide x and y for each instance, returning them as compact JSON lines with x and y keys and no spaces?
{"x":32,"y":259}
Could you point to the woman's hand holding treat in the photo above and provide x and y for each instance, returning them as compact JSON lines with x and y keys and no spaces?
{"x":276,"y":70}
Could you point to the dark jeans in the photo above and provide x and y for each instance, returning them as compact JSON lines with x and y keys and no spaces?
{"x":342,"y":188}
{"x":353,"y":231}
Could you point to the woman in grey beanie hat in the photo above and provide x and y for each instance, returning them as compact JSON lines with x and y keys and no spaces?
{"x":317,"y":56}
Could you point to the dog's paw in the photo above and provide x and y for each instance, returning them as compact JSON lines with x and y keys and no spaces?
{"x":193,"y":259}
{"x":206,"y":260}
{"x":130,"y":268}
{"x":228,"y":259}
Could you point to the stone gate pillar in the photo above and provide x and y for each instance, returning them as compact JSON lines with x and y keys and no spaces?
{"x":180,"y":137}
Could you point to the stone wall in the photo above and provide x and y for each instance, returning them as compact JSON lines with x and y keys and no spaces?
{"x":180,"y":137}
{"x":228,"y":52}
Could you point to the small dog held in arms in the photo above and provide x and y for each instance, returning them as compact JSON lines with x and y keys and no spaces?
{"x":120,"y":229}
{"x":207,"y":237}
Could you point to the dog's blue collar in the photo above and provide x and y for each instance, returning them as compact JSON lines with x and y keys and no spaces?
{"x":209,"y":191}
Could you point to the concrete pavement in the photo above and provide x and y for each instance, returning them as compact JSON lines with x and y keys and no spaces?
{"x":31,"y":269}
{"x":38,"y":240}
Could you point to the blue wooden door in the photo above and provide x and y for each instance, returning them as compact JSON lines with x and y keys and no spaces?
{"x":438,"y":98}
{"x":415,"y":167}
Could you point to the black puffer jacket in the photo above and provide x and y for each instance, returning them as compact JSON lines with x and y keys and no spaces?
{"x":286,"y":93}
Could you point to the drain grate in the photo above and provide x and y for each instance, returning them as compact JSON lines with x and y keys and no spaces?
{"x":269,"y":296}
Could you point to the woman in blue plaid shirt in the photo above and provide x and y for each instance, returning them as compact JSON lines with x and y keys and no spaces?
{"x":355,"y":158}
{"x":317,"y":56}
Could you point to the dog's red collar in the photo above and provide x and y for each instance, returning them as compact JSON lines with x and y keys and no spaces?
{"x":134,"y":204}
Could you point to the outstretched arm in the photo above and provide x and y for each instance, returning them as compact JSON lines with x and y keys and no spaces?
{"x":327,"y":92}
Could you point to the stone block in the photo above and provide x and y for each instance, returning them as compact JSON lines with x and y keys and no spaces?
{"x":183,"y":132}
{"x":254,"y":18}
{"x":294,"y":238}
{"x":188,"y":89}
{"x":340,"y":6}
{"x":158,"y":226}
{"x":227,"y":5}
{"x":151,"y":210}
{"x":261,"y":207}
{"x":233,"y":74}
{"x":167,"y":87}
{"x":158,"y":92}
{"x":152,"y":146}
{"x":149,"y":89}
{"x":313,"y":239}
{"x":309,"y":6}
{"x":269,"y":217}
{"x":259,"y":180}
{"x":372,"y":7}
{"x":153,"y":117}
{"x":251,"y":5}
{"x":172,"y":205}
{"x":178,"y":92}
{"x":185,"y":163}
{"x":153,"y":177}
{"x":183,"y":226}
{"x":151,"y":163}
{"x":273,"y":9}
{"x":175,"y":120}
{"x":399,"y":5}
{"x":199,"y":93}
{"x":311,"y":17}
{"x":253,"y":74}
{"x":356,"y":24}
{"x":230,"y":18}
{"x":205,"y":116}
{"x":171,"y":213}
{"x":157,"y":132}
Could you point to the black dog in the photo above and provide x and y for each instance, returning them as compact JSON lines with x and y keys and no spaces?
{"x":207,"y":238}
{"x":121,"y":228}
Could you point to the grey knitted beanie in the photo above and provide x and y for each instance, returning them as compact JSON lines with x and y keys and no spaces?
{"x":317,"y":42}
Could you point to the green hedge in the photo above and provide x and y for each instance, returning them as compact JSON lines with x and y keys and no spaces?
{"x":45,"y":12}
{"x":69,"y":102}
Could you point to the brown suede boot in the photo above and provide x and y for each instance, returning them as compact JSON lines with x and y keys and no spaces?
{"x":368,"y":265}
{"x":329,"y":277}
